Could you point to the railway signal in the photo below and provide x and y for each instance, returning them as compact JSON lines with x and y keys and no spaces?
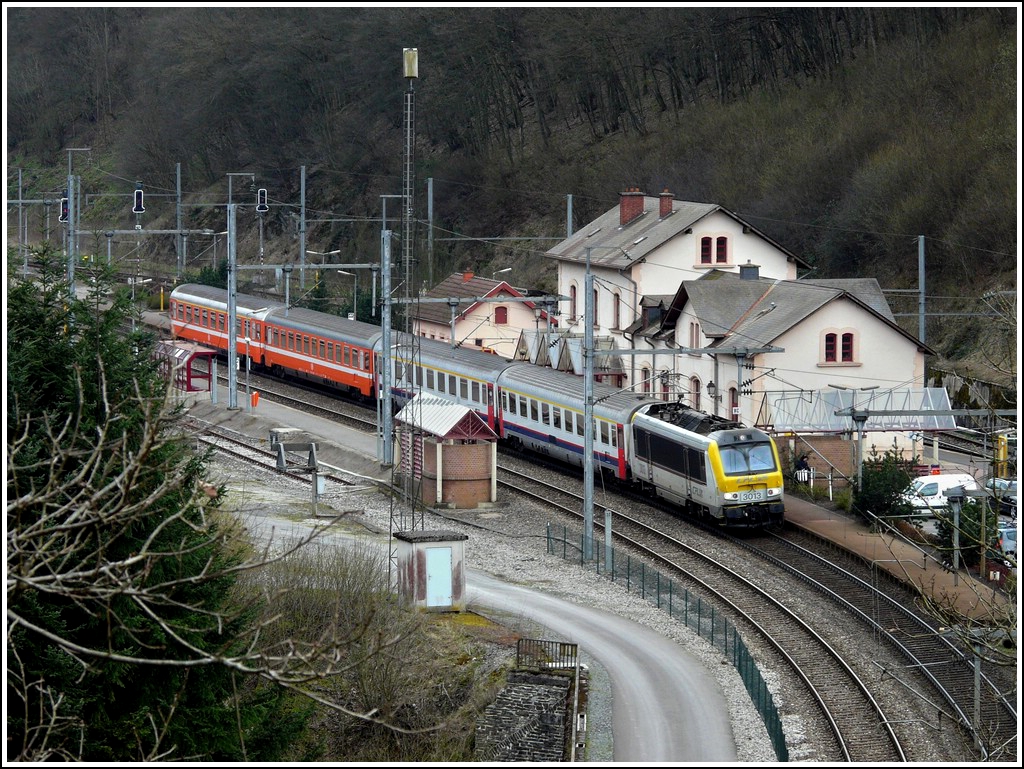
{"x":138,"y":208}
{"x":261,"y":201}
{"x":63,"y":215}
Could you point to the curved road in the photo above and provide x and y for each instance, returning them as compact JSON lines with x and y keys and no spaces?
{"x":665,"y":705}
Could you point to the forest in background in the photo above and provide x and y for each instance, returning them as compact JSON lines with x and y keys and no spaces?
{"x":842,"y":133}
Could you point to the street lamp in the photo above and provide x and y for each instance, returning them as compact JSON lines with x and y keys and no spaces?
{"x":713,"y":395}
{"x":355,"y":292}
{"x":499,"y":272}
{"x":109,"y":234}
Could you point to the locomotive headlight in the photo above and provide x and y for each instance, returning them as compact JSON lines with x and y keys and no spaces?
{"x":732,"y":496}
{"x":774,"y":492}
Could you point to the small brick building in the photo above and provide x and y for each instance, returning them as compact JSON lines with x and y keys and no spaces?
{"x":449,"y":452}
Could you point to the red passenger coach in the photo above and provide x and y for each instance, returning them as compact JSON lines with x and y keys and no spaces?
{"x":315,"y":346}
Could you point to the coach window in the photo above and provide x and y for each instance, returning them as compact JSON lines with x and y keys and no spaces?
{"x":419,"y":377}
{"x":604,"y":433}
{"x":544,"y":414}
{"x":305,"y":344}
{"x":463,"y":389}
{"x":291,"y":340}
{"x":453,"y":383}
{"x":206,"y":319}
{"x":523,"y":406}
{"x":188,"y":314}
{"x":430,"y":379}
{"x":556,"y":417}
{"x":259,"y":332}
{"x":508,"y":402}
{"x":323,"y":352}
{"x":476,"y":392}
{"x":330,"y":351}
{"x":221,"y":321}
{"x":534,"y":411}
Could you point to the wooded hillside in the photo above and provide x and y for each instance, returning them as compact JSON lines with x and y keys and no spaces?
{"x":842,"y":133}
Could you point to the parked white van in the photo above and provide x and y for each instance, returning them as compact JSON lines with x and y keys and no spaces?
{"x":929,"y":491}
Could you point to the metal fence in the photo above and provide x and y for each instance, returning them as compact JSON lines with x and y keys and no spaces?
{"x":694,"y":611}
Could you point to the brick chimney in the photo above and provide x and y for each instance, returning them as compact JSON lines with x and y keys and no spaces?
{"x":631,"y":205}
{"x":467,"y":276}
{"x":666,"y":203}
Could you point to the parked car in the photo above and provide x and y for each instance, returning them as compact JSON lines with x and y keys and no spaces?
{"x":1008,"y":542}
{"x":1005,"y":492}
{"x":929,"y":491}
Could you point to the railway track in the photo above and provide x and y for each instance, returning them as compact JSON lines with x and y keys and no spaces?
{"x":861,"y":730}
{"x":949,"y":671}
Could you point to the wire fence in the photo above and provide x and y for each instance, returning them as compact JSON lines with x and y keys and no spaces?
{"x":691,"y":609}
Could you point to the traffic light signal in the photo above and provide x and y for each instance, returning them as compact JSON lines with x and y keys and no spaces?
{"x":63,"y":215}
{"x":261,"y":201}
{"x":138,"y":208}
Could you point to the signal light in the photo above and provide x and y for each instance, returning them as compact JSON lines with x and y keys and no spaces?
{"x":261,"y":201}
{"x":63,"y":215}
{"x":138,"y":208}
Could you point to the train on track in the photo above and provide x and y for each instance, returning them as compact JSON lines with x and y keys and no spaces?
{"x":712,"y":468}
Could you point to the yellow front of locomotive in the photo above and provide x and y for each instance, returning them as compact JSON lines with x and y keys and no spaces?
{"x":748,"y":474}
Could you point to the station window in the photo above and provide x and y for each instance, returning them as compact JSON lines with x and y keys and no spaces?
{"x":705,"y":250}
{"x":722,"y":249}
{"x":500,"y":316}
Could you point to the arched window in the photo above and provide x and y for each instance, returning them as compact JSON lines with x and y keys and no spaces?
{"x":616,"y":315}
{"x":572,"y":303}
{"x":596,"y":324}
{"x":830,"y":348}
{"x":664,"y":384}
{"x":722,"y":250}
{"x":734,"y":402}
{"x":695,"y":393}
{"x":847,"y":348}
{"x":705,"y":250}
{"x":500,"y":316}
{"x":839,"y":348}
{"x":645,"y":375}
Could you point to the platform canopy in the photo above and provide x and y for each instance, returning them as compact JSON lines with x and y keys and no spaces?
{"x":444,"y":419}
{"x":815,"y":410}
